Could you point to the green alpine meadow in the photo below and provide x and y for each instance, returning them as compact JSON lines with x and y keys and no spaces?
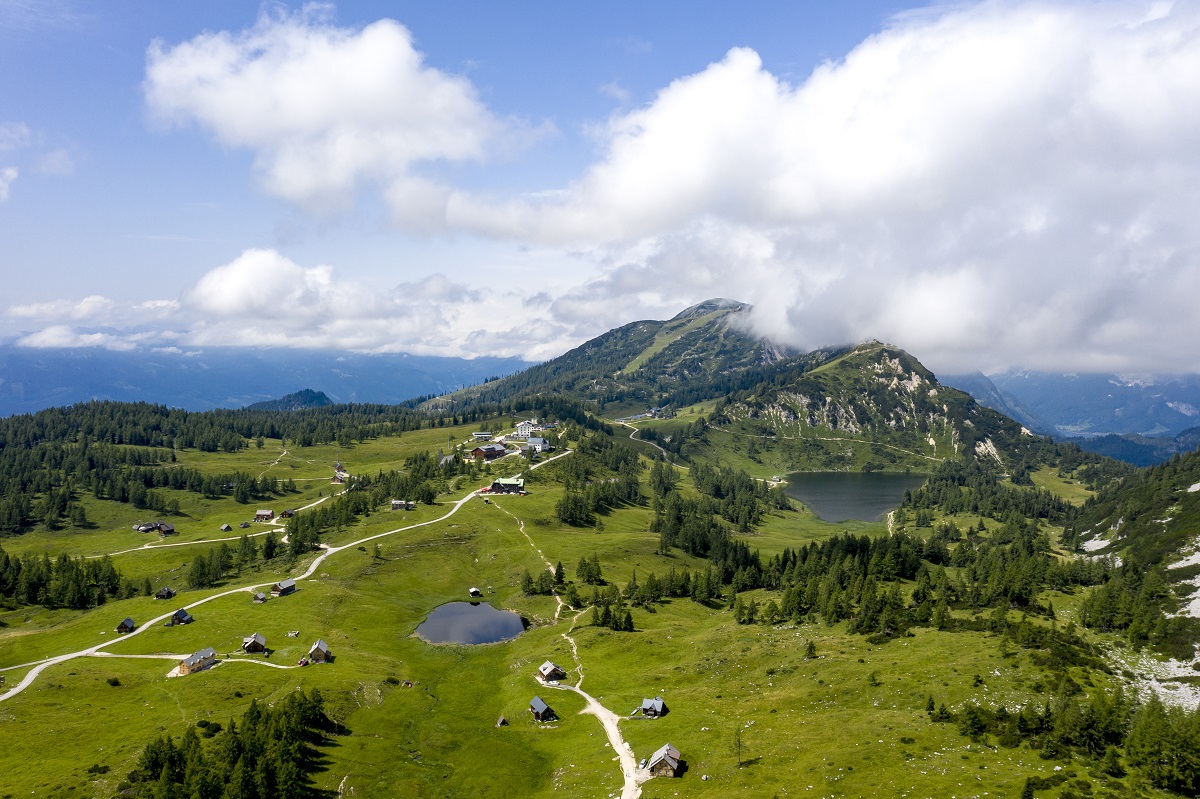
{"x":227,"y":603}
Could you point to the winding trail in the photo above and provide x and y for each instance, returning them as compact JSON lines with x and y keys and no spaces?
{"x":275,"y":528}
{"x":41,"y":665}
{"x":633,"y":437}
{"x":834,"y":438}
{"x":610,"y":721}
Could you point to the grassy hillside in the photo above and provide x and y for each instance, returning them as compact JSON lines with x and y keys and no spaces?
{"x":846,"y":715}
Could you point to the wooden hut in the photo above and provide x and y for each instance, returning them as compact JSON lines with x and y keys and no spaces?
{"x":126,"y":626}
{"x":283,"y":587}
{"x":551,"y":671}
{"x":541,"y":711}
{"x":666,"y":762}
{"x":254,"y":643}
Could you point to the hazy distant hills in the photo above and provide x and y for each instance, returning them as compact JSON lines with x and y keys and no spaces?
{"x":32,"y":379}
{"x":1096,"y":404}
{"x":1138,"y":421}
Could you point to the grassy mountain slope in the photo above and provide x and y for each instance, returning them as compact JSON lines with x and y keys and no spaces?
{"x":875,"y":407}
{"x":1152,"y":514}
{"x":701,"y":353}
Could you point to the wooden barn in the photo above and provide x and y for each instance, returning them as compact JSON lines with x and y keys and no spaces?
{"x":541,"y":711}
{"x":283,"y":587}
{"x":126,"y":626}
{"x":551,"y":671}
{"x":254,"y":643}
{"x":260,"y":598}
{"x":666,"y":762}
{"x":180,"y":616}
{"x":653,"y":708}
{"x":264,"y":515}
{"x":165,"y":593}
{"x":319,"y":652}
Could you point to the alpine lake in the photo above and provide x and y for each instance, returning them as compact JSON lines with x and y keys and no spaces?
{"x":469,"y":623}
{"x":842,"y":496}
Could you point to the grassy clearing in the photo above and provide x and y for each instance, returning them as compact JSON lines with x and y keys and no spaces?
{"x":850,"y":722}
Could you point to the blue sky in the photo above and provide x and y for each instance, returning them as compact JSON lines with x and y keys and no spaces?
{"x":987,"y":185}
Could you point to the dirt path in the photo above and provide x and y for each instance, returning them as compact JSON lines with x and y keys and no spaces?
{"x":276,"y":527}
{"x":835,"y":438}
{"x":633,"y":776}
{"x":633,"y":437}
{"x":41,"y":665}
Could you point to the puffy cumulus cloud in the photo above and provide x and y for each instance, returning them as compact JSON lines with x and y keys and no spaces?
{"x":985,"y":185}
{"x":324,"y":108}
{"x":263,"y":298}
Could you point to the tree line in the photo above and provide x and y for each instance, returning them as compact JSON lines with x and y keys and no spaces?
{"x":269,"y":755}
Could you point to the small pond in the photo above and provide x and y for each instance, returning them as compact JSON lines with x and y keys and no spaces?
{"x":840,"y":496}
{"x":470,"y":623}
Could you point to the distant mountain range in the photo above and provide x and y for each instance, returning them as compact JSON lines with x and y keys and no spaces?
{"x":229,"y":377}
{"x":1138,"y":421}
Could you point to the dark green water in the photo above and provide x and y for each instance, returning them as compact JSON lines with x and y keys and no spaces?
{"x":840,"y":496}
{"x":470,"y":623}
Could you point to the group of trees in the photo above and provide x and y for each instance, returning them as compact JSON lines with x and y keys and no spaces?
{"x":601,"y":475}
{"x":63,"y":582}
{"x":1163,"y":742}
{"x":269,"y":755}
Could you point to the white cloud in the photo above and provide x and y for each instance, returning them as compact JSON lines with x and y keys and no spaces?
{"x":991,"y":184}
{"x":7,"y":175}
{"x":62,"y":336}
{"x":324,"y":108}
{"x":89,"y":308}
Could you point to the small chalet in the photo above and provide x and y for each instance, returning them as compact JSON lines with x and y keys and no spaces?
{"x":444,"y":459}
{"x":551,"y":671}
{"x":319,"y":652}
{"x":653,"y":708}
{"x":225,"y":528}
{"x":489,"y":452}
{"x":199,"y":661}
{"x":260,"y":598}
{"x":482,"y":436}
{"x":475,"y":591}
{"x":337,"y":480}
{"x":244,"y":525}
{"x":538,"y":444}
{"x":166,"y":529}
{"x":508,"y":485}
{"x":166,"y":592}
{"x":264,"y":515}
{"x":180,"y":616}
{"x":283,"y":587}
{"x":541,"y":711}
{"x":254,"y":643}
{"x":403,"y":504}
{"x":287,"y":514}
{"x":666,"y":762}
{"x":126,"y":626}
{"x":502,"y":722}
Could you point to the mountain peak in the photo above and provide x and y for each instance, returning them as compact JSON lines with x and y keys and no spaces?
{"x":709,"y":306}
